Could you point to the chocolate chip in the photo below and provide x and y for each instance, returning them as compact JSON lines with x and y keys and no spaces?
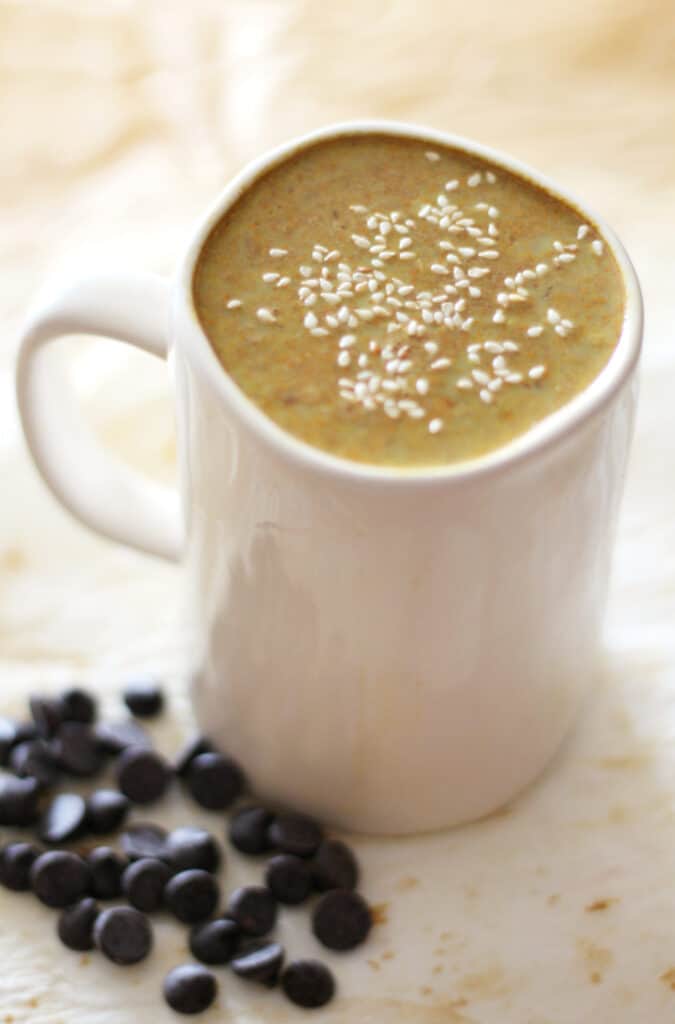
{"x":295,"y":833}
{"x":254,"y":908}
{"x":262,"y":964}
{"x":63,"y":819}
{"x":192,"y":895}
{"x":114,"y":737}
{"x":19,"y":801}
{"x":144,"y":840}
{"x":142,"y":775}
{"x":214,"y":942}
{"x":76,"y":705}
{"x":144,"y":697}
{"x":75,"y":926}
{"x":341,"y":919}
{"x":35,"y":759}
{"x":215,"y":781}
{"x":193,"y":748}
{"x":46,"y":713}
{"x":59,"y":878}
{"x":106,"y":810}
{"x":288,"y":878}
{"x":190,"y":989}
{"x":334,"y":866}
{"x":192,"y":848}
{"x":308,"y":983}
{"x":15,"y":864}
{"x":123,"y":935}
{"x":106,"y":867}
{"x":144,"y":883}
{"x":77,"y":750}
{"x":248,"y":830}
{"x":12,"y":733}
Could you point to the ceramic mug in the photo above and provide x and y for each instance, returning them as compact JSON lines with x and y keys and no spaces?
{"x":392,"y":651}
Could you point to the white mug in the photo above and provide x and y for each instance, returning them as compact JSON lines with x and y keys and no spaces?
{"x":392,"y":651}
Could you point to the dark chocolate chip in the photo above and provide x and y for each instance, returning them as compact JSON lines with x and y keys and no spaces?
{"x":46,"y":713}
{"x":12,"y":733}
{"x":295,"y":833}
{"x":17,"y":860}
{"x":144,"y":697}
{"x":334,"y":866}
{"x":19,"y":801}
{"x":114,"y":737}
{"x":123,"y":934}
{"x":59,"y":878}
{"x":35,"y":759}
{"x":254,"y":908}
{"x":190,"y":989}
{"x":289,"y":878}
{"x":77,"y":750}
{"x":192,"y":848}
{"x":262,"y":964}
{"x":142,"y":775}
{"x":106,"y":810}
{"x":76,"y":705}
{"x":308,"y":983}
{"x":214,"y":942}
{"x":192,"y":895}
{"x":144,"y":883}
{"x":76,"y":925}
{"x":215,"y":781}
{"x":248,"y":830}
{"x":144,"y":840}
{"x":107,"y":867}
{"x":193,"y":748}
{"x":341,"y":919}
{"x":63,"y":819}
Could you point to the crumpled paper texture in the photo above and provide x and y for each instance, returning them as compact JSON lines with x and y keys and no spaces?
{"x":119,"y":121}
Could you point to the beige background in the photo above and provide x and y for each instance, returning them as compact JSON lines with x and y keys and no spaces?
{"x":119,"y":121}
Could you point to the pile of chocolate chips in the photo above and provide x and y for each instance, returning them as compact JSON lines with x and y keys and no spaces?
{"x":152,"y":869}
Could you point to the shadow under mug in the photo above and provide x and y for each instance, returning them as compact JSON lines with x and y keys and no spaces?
{"x":394,"y":652}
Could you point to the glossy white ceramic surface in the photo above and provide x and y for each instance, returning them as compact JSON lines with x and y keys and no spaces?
{"x":395,"y":652}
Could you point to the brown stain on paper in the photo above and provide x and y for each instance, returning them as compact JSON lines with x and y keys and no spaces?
{"x":597,"y":960}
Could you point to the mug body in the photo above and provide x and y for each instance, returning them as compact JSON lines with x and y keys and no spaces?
{"x":394,"y":652}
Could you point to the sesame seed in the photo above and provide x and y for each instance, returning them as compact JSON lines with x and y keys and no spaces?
{"x":492,"y":347}
{"x":344,"y":359}
{"x":310,"y":320}
{"x":431,"y":347}
{"x":359,"y":209}
{"x":405,"y":242}
{"x":283,"y":281}
{"x":430,"y":155}
{"x":234,"y":304}
{"x":541,"y":269}
{"x":450,"y":186}
{"x":268,"y":278}
{"x":597,"y":247}
{"x":559,"y":329}
{"x":582,"y":231}
{"x":474,"y":357}
{"x":499,"y":363}
{"x":435,"y":426}
{"x":535,"y":331}
{"x":360,"y":241}
{"x":485,"y":396}
{"x":495,"y":384}
{"x":365,"y":314}
{"x":537,"y":372}
{"x":491,"y":177}
{"x":440,"y":364}
{"x":407,"y":255}
{"x":566,"y":257}
{"x":489,"y":254}
{"x":332,"y":321}
{"x":276,"y":253}
{"x":510,"y":346}
{"x":319,"y":332}
{"x":464,"y":383}
{"x":474,"y":179}
{"x":362,"y":360}
{"x":422,"y":386}
{"x":498,"y":317}
{"x":266,"y":315}
{"x":514,"y":378}
{"x":493,"y":211}
{"x":553,"y":316}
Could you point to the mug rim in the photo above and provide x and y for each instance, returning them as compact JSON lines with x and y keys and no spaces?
{"x":543,"y":435}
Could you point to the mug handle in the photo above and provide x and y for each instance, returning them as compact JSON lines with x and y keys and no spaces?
{"x":96,"y":487}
